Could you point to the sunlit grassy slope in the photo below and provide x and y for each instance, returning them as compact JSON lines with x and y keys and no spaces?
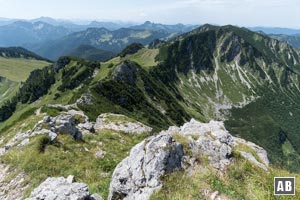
{"x":13,"y":71}
{"x":18,"y":69}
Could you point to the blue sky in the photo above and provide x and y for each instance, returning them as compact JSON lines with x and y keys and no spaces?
{"x":280,"y":13}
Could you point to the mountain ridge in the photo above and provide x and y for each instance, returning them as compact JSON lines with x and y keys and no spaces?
{"x":247,"y":80}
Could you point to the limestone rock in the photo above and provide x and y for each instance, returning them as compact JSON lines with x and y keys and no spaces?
{"x":15,"y":188}
{"x":51,"y":134}
{"x":85,"y":99}
{"x":261,"y":153}
{"x":63,"y":123}
{"x":138,"y":175}
{"x":70,"y":179}
{"x":120,"y":123}
{"x":125,"y":72}
{"x":100,"y":154}
{"x":61,"y":189}
{"x":252,"y":159}
{"x":96,"y":197}
{"x":66,"y":124}
{"x":213,"y":140}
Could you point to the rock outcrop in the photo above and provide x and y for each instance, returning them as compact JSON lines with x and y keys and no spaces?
{"x":63,"y":124}
{"x":72,"y":122}
{"x":213,"y":140}
{"x":118,"y":122}
{"x":138,"y":175}
{"x":125,"y":72}
{"x":62,"y":189}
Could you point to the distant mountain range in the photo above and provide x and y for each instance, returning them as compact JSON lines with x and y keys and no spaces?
{"x":20,"y":33}
{"x":101,"y":38}
{"x":293,"y":40}
{"x":290,"y":36}
{"x":275,"y":30}
{"x":53,"y":38}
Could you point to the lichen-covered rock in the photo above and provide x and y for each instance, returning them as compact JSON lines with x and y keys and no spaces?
{"x":66,"y":124}
{"x":63,"y":123}
{"x":138,"y":175}
{"x":213,"y":140}
{"x":61,"y":189}
{"x":120,"y":123}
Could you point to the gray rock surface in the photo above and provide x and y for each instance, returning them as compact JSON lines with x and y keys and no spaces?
{"x":15,"y":188}
{"x":125,"y":72}
{"x":61,"y":189}
{"x":138,"y":175}
{"x":63,"y":124}
{"x":85,"y":99}
{"x":210,"y":139}
{"x":96,"y":197}
{"x":51,"y":134}
{"x":261,"y":153}
{"x":253,"y":160}
{"x":119,"y":123}
{"x":100,"y":153}
{"x":213,"y":140}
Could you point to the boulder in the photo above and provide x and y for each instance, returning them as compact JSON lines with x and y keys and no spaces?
{"x":63,"y":123}
{"x":138,"y":175}
{"x":61,"y":189}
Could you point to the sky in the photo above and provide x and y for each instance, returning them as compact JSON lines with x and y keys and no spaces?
{"x":272,"y":13}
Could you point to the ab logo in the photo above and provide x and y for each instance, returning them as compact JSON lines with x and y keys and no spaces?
{"x":284,"y":185}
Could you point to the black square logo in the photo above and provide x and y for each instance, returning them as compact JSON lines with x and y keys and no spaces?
{"x":284,"y":185}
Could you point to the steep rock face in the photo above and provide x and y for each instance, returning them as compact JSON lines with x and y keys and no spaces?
{"x":125,"y":72}
{"x":62,"y":189}
{"x":138,"y":175}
